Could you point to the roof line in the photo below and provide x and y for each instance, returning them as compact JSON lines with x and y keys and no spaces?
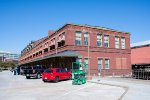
{"x":96,"y":27}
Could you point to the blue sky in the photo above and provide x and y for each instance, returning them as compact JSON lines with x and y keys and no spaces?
{"x":24,"y":20}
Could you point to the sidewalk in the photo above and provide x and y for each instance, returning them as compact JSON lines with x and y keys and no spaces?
{"x":135,"y":89}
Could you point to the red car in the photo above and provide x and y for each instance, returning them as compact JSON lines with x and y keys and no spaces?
{"x":56,"y":74}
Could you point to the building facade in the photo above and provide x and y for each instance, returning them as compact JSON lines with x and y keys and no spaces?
{"x":140,"y":53}
{"x":7,"y":56}
{"x":102,"y":49}
{"x":140,"y":60}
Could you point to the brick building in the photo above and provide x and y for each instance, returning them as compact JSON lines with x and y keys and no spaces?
{"x":9,"y":57}
{"x":140,"y":59}
{"x":102,"y":49}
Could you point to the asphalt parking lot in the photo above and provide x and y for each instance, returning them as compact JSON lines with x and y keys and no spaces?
{"x":136,"y":89}
{"x":19,"y":88}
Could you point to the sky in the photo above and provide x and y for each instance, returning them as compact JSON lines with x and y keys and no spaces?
{"x":23,"y":21}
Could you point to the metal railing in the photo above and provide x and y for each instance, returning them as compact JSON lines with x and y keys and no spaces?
{"x":141,"y":73}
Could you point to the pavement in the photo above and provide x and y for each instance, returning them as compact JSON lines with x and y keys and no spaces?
{"x":17,"y":87}
{"x":136,"y":89}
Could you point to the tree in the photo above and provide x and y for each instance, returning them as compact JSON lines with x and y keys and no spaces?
{"x":0,"y":64}
{"x":7,"y":65}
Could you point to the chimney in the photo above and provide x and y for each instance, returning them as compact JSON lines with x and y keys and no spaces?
{"x":50,"y":32}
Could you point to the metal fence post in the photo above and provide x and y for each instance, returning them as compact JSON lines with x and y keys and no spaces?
{"x":138,"y":74}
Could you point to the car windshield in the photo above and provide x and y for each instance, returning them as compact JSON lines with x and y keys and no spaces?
{"x":48,"y":71}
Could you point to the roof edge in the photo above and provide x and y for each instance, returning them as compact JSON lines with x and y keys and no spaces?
{"x":96,"y":27}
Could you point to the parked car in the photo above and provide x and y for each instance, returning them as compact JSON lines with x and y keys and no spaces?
{"x":56,"y":74}
{"x":35,"y":71}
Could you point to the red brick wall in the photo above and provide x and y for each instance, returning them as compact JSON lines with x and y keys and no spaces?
{"x":119,"y":58}
{"x":100,"y":52}
{"x":140,"y":55}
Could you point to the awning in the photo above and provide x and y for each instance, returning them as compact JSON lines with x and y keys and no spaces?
{"x":67,"y":54}
{"x":60,"y":54}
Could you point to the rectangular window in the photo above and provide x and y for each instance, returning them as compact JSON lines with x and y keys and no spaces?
{"x":99,"y":40}
{"x":78,"y":38}
{"x":123,"y":43}
{"x":107,"y":63}
{"x":86,"y":37}
{"x":106,"y":41}
{"x":86,"y":62}
{"x":58,"y":70}
{"x":116,"y":42}
{"x":100,"y":64}
{"x":63,"y":70}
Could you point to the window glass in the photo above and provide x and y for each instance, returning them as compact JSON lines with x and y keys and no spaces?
{"x":99,"y":40}
{"x":63,"y":70}
{"x":86,"y":37}
{"x":107,"y":65}
{"x":58,"y":70}
{"x":100,"y":64}
{"x":117,"y":42}
{"x":106,"y":41}
{"x":78,"y":38}
{"x":123,"y":43}
{"x":48,"y":71}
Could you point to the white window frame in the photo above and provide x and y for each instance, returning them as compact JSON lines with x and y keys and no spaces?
{"x":99,"y":39}
{"x":106,"y":41}
{"x":107,"y":63}
{"x":86,"y":39}
{"x":117,"y":42}
{"x":78,"y":40}
{"x":100,"y":63}
{"x":123,"y":43}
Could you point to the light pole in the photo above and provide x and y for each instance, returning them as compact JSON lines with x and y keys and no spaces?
{"x":56,"y":43}
{"x":89,"y":73}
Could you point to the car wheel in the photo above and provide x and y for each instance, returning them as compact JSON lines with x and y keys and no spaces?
{"x":38,"y":76}
{"x":44,"y":81}
{"x":56,"y":79}
{"x":27,"y":77}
